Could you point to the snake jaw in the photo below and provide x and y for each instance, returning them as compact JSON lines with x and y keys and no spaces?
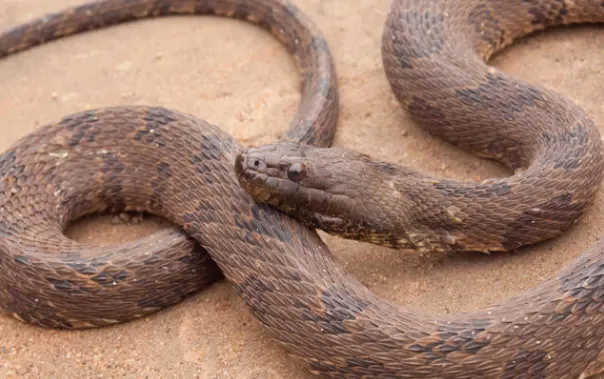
{"x":265,"y":183}
{"x":272,"y":173}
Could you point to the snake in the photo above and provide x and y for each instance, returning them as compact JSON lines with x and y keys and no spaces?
{"x":75,"y":167}
{"x":225,"y":197}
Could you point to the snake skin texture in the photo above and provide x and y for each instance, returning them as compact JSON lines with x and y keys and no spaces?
{"x":50,"y":280}
{"x":434,"y":54}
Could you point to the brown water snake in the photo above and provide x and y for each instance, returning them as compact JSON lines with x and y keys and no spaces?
{"x":295,"y":287}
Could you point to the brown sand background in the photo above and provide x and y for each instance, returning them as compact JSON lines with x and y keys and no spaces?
{"x":239,"y":77}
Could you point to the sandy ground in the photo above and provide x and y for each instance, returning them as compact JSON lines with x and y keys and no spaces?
{"x":237,"y":76}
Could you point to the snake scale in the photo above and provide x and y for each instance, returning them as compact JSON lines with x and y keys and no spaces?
{"x":189,"y":171}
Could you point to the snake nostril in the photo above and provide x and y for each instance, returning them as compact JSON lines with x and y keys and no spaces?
{"x":256,"y":163}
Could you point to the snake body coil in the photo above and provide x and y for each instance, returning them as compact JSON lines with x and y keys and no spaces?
{"x":435,"y":64}
{"x":433,"y":55}
{"x":64,"y":171}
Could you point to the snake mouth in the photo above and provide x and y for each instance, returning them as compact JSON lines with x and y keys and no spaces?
{"x":265,"y":181}
{"x":242,"y":171}
{"x":239,"y":171}
{"x":251,"y":174}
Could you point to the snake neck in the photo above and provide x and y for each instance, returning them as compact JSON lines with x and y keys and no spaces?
{"x":347,"y":194}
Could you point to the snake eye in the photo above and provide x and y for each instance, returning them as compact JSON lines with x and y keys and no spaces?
{"x":296,"y":172}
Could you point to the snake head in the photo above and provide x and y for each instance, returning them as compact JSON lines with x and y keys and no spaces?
{"x":274,"y":173}
{"x":291,"y":175}
{"x":310,"y":183}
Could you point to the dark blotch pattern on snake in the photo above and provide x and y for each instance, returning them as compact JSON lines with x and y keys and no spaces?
{"x":78,"y":166}
{"x":433,"y":54}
